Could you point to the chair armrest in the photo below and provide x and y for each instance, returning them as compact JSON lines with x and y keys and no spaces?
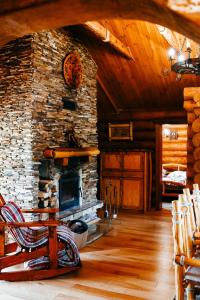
{"x":186,"y":261}
{"x":50,"y":223}
{"x":40,"y":210}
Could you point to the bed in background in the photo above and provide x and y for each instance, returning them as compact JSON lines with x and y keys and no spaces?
{"x":173,"y":179}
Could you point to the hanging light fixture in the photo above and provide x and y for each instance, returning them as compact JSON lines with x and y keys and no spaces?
{"x":180,"y":53}
{"x":181,"y":62}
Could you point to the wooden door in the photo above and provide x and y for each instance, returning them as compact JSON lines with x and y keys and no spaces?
{"x":132,"y":193}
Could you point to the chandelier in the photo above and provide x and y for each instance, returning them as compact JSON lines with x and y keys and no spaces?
{"x":184,"y":54}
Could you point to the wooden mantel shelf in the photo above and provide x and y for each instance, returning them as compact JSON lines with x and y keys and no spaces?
{"x":65,"y":153}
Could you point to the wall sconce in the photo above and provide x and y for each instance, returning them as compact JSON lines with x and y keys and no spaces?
{"x":170,"y":134}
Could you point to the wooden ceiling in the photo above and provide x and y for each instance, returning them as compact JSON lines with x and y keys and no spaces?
{"x":144,"y":83}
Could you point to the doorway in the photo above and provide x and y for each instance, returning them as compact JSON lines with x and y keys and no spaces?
{"x":174,"y":162}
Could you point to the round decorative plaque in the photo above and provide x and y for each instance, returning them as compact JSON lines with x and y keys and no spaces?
{"x":72,"y":70}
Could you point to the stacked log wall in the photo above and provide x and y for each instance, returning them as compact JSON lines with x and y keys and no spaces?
{"x":175,"y":150}
{"x":192,"y":107}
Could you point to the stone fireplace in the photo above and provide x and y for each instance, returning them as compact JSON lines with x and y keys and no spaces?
{"x":34,"y":118}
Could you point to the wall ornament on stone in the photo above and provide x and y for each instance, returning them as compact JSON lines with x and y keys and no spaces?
{"x":72,"y":70}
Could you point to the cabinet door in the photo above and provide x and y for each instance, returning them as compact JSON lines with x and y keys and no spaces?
{"x":111,"y":161}
{"x":110,"y":191}
{"x":132,"y":193}
{"x":133,"y":161}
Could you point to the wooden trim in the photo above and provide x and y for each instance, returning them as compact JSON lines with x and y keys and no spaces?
{"x":158,"y":153}
{"x":106,"y":36}
{"x":108,"y":95}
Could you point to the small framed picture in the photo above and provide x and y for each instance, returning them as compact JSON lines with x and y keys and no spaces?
{"x":123,"y":131}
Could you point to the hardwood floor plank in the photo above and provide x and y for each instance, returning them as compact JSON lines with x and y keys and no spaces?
{"x":133,"y":261}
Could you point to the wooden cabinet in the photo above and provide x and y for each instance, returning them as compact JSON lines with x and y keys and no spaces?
{"x":126,"y":179}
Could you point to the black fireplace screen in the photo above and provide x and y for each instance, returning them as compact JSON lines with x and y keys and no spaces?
{"x":69,"y":190}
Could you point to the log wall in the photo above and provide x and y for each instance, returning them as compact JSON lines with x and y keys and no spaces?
{"x":175,"y":150}
{"x":192,"y":107}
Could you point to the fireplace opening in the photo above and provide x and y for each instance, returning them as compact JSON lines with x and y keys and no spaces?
{"x":70,"y":191}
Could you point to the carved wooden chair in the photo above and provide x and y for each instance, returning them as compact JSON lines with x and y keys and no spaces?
{"x":45,"y":247}
{"x":186,"y":248}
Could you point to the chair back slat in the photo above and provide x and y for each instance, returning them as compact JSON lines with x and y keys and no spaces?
{"x":186,"y":192}
{"x":196,"y":203}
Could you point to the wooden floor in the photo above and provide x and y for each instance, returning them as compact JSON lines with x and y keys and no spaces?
{"x":133,"y":261}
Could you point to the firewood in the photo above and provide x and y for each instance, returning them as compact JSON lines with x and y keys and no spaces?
{"x":44,"y":195}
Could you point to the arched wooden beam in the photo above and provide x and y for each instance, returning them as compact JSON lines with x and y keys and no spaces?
{"x":24,"y":17}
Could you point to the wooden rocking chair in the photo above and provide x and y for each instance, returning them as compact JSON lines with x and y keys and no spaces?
{"x":46,"y":247}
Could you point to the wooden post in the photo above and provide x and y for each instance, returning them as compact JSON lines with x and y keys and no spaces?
{"x":2,"y":241}
{"x":190,"y":208}
{"x":158,"y":128}
{"x":53,"y":248}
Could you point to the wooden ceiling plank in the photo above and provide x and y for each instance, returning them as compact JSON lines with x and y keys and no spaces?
{"x":106,"y":36}
{"x":108,"y":95}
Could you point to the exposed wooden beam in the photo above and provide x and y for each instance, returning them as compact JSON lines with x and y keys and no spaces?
{"x":18,"y":19}
{"x":108,"y":95}
{"x":106,"y":36}
{"x":144,"y":115}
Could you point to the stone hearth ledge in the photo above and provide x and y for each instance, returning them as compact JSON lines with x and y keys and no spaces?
{"x":85,"y":212}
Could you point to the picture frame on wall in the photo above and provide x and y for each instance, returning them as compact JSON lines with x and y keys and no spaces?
{"x":122,"y":131}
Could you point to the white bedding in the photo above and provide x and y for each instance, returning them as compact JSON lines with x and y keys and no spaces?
{"x":176,"y":176}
